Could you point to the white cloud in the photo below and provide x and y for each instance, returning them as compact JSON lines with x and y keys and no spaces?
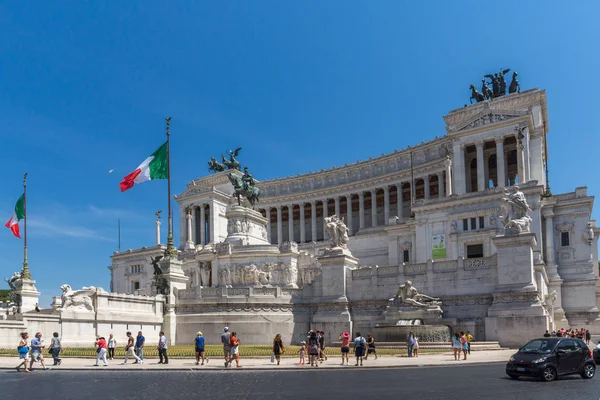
{"x":48,"y":228}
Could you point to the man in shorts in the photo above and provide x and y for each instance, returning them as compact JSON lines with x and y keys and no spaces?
{"x":225,"y":339}
{"x":36,"y":350}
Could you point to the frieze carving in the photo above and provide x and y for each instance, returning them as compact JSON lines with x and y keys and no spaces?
{"x":223,"y":248}
{"x":516,"y":298}
{"x":415,"y":269}
{"x":287,"y":247}
{"x":268,"y":274}
{"x":250,"y":308}
{"x":467,"y":301}
{"x":210,"y":292}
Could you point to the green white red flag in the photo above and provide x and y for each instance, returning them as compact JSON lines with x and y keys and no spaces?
{"x":153,"y":167}
{"x":19,"y":214}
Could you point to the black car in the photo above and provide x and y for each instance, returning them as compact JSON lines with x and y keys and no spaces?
{"x":597,"y":354}
{"x":548,"y":358}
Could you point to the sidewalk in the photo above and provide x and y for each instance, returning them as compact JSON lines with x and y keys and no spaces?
{"x":476,"y":357}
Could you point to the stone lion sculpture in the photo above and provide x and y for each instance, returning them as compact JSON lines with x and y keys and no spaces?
{"x":77,"y":300}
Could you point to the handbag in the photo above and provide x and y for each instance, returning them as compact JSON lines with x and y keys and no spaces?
{"x":98,"y":350}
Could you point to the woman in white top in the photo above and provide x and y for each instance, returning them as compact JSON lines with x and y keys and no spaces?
{"x":112,"y":343}
{"x":415,"y":341}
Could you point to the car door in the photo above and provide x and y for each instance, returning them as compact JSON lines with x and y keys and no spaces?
{"x":569,"y":355}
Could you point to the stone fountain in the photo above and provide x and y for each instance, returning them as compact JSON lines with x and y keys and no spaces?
{"x":411,"y":311}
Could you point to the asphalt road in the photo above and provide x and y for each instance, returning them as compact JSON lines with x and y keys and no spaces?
{"x":427,"y":383}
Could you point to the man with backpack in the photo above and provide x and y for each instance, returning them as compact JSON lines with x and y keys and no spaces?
{"x":226,"y":340}
{"x":359,"y":348}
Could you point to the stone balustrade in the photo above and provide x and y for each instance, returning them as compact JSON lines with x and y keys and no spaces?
{"x":415,"y":269}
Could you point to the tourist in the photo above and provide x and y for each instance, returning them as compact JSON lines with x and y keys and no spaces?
{"x":588,"y":337}
{"x":547,"y":334}
{"x":112,"y":343}
{"x":102,"y":345}
{"x":302,"y":352}
{"x":463,"y":345}
{"x":321,"y":339}
{"x":234,"y":344}
{"x":553,"y":334}
{"x":55,"y":348}
{"x":313,"y":345}
{"x":162,"y":348}
{"x":470,"y":338}
{"x":278,"y":347}
{"x":36,"y":350}
{"x":409,"y":343}
{"x":415,"y":345}
{"x":23,"y":350}
{"x":359,"y":348}
{"x":371,"y":346}
{"x":199,"y":344}
{"x":139,"y":346}
{"x":345,"y":341}
{"x":129,"y":350}
{"x":226,"y":340}
{"x":456,"y":346}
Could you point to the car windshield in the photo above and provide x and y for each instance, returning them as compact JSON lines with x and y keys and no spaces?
{"x":539,"y":346}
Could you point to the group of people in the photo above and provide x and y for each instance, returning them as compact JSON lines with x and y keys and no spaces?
{"x":33,"y":351}
{"x":580,"y":333}
{"x":461,"y":343}
{"x":134,"y":348}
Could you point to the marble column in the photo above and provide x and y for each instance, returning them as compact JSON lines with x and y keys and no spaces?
{"x":500,"y":171}
{"x":386,"y":204}
{"x":458,"y":173}
{"x":291,"y":222}
{"x":337,"y":206}
{"x":202,"y":224}
{"x":520,"y":163}
{"x":279,"y":226}
{"x":549,"y":218}
{"x":325,"y":214}
{"x":194,"y":224}
{"x":440,"y":177}
{"x":349,"y":214}
{"x":211,"y":224}
{"x":526,"y":157}
{"x":268,"y":217}
{"x":313,"y":220}
{"x":480,"y":167}
{"x":302,"y":224}
{"x":426,"y":187}
{"x":361,"y":210}
{"x":189,"y":244}
{"x":399,"y":205}
{"x":373,"y":208}
{"x":448,"y":176}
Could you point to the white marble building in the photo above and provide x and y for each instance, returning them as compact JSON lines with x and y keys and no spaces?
{"x":429,"y":213}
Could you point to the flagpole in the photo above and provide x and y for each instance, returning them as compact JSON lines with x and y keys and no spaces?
{"x":119,"y":226}
{"x":25,"y":274}
{"x":171,"y":251}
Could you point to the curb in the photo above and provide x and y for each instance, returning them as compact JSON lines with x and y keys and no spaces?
{"x":270,"y":368}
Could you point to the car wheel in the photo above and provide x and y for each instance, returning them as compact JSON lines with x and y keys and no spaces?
{"x":549,"y":374}
{"x":589,"y":370}
{"x":512,"y":376}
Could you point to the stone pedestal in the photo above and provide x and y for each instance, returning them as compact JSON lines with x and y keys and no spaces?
{"x":246,"y":227}
{"x":516,"y":314}
{"x":28,"y":294}
{"x":77,"y":328}
{"x":173,"y":273}
{"x":333,"y":315}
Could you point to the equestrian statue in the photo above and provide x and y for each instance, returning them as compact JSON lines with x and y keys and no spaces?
{"x":244,"y":186}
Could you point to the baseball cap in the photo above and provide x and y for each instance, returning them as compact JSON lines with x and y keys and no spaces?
{"x":226,"y":329}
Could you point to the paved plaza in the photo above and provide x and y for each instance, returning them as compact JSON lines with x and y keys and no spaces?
{"x":428,"y":383}
{"x":264,"y":363}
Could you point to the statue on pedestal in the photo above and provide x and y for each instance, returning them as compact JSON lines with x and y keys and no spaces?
{"x":244,"y":186}
{"x":409,"y":295}
{"x":514,"y":212}
{"x":337,"y":231}
{"x":205,"y":272}
{"x":233,"y":163}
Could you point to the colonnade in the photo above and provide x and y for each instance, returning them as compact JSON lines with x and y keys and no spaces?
{"x":199,"y":225}
{"x":304,"y":221}
{"x":496,"y":162}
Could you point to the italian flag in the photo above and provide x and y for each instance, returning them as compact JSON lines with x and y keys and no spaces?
{"x":153,"y":167}
{"x":13,"y":222}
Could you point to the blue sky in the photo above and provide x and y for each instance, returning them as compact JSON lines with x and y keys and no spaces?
{"x":305,"y":85}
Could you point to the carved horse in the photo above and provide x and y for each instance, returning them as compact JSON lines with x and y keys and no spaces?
{"x":475,"y":95}
{"x":486,"y":91}
{"x":514,"y":84}
{"x":214,"y":165}
{"x":252,"y":193}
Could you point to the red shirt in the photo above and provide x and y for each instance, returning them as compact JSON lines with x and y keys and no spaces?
{"x":234,"y":342}
{"x":101,"y":343}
